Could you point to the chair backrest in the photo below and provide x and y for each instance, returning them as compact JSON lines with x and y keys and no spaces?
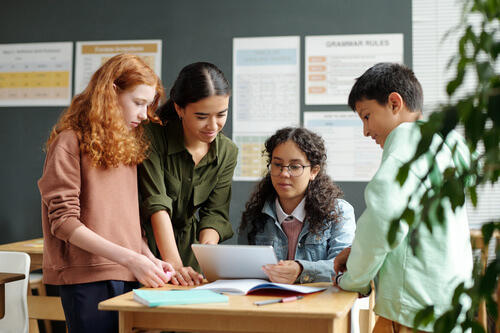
{"x":16,"y":308}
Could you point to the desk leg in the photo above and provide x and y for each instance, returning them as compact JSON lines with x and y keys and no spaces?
{"x":125,"y":321}
{"x":33,"y":324}
{"x":341,"y":324}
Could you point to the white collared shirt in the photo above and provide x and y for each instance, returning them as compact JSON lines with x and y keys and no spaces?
{"x":299,"y":212}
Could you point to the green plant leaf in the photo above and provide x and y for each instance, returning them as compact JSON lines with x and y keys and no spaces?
{"x":408,"y":216}
{"x":450,"y":121}
{"x":488,"y":280}
{"x":459,"y":291}
{"x":494,"y":108}
{"x":424,"y":316}
{"x":476,"y":327}
{"x":487,"y":231}
{"x":495,"y":50}
{"x":454,"y":84}
{"x":484,"y":70}
{"x":473,"y":195}
{"x":391,"y":237}
{"x":403,"y":174}
{"x":414,"y":241}
{"x":485,"y":42}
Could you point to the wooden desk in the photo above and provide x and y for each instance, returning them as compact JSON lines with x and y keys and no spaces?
{"x":6,"y":278}
{"x":39,"y":307}
{"x":33,"y":247}
{"x":327,"y":311}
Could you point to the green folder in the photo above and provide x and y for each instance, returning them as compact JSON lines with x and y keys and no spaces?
{"x":177,"y":297}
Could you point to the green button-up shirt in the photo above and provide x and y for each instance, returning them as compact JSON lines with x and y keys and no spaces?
{"x":195,"y":197}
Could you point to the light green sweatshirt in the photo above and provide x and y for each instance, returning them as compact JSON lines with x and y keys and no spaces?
{"x":406,"y":282}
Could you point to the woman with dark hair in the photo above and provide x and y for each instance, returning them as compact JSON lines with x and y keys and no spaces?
{"x":185,"y":184}
{"x":297,"y":209}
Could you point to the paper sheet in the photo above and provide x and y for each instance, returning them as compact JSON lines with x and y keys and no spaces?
{"x":36,"y":74}
{"x":266,"y":96}
{"x":351,"y":155}
{"x":91,"y":55}
{"x":333,"y":62}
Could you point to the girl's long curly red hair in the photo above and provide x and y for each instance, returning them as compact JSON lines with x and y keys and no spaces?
{"x":95,"y":114}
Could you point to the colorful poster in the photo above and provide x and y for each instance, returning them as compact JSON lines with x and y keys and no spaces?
{"x":352,"y":157}
{"x":91,"y":55}
{"x":36,"y":74}
{"x":333,"y":62}
{"x":266,"y":96}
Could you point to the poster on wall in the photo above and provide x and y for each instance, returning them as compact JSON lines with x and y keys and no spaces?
{"x":266,"y":96}
{"x":332,"y":63}
{"x":36,"y":74}
{"x":352,"y":157}
{"x":91,"y":55}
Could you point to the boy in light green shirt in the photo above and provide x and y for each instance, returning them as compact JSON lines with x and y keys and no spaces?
{"x":388,"y":98}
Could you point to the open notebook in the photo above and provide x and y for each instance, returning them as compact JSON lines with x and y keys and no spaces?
{"x":248,"y":286}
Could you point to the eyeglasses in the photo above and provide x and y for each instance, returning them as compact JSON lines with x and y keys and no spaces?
{"x":294,"y":169}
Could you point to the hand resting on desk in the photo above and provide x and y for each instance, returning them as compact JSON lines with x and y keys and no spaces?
{"x":187,"y":276}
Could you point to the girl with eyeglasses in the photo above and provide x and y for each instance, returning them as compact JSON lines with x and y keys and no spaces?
{"x":298,"y":209}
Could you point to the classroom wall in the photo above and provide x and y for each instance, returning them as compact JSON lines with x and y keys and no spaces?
{"x":191,"y":30}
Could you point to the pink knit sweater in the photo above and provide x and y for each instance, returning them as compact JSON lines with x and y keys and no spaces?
{"x":292,"y":230}
{"x":74,"y":193}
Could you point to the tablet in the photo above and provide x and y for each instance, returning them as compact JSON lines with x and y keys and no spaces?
{"x":233,"y":261}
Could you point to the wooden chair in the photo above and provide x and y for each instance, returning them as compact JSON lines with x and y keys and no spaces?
{"x":36,"y":284}
{"x":367,"y":317}
{"x":477,"y":242}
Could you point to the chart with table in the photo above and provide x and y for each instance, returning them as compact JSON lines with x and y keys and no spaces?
{"x":36,"y":74}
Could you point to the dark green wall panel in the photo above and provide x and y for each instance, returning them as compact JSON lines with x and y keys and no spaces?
{"x":191,"y":30}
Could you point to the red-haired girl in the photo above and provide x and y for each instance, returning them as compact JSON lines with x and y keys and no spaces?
{"x":93,"y":244}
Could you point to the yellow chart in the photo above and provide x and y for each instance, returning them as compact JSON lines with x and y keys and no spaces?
{"x":35,"y":74}
{"x":34,"y":85}
{"x":251,"y":163}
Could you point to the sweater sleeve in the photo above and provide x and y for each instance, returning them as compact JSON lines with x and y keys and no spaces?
{"x":385,"y":200}
{"x":60,"y":186}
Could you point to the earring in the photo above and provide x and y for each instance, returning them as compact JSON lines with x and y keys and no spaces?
{"x":180,"y":118}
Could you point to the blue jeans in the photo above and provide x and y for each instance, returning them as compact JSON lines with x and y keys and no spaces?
{"x":80,"y":305}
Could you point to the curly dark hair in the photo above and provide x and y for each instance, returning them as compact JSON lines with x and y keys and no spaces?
{"x":321,"y":195}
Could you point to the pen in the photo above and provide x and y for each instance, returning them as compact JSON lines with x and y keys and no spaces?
{"x":278,"y":300}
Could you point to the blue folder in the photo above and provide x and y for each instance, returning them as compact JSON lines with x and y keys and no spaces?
{"x":177,"y":297}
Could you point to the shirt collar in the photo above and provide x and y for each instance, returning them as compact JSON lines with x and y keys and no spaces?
{"x":175,"y":137}
{"x":299,"y":212}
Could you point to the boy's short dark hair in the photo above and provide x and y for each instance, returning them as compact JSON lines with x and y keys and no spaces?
{"x":384,"y":78}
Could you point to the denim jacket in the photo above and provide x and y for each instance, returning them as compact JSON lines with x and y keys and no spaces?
{"x":315,"y":253}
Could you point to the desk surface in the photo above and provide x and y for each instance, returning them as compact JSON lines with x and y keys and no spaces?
{"x":32,"y":246}
{"x":329,"y":304}
{"x":239,"y":314}
{"x":10,"y":277}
